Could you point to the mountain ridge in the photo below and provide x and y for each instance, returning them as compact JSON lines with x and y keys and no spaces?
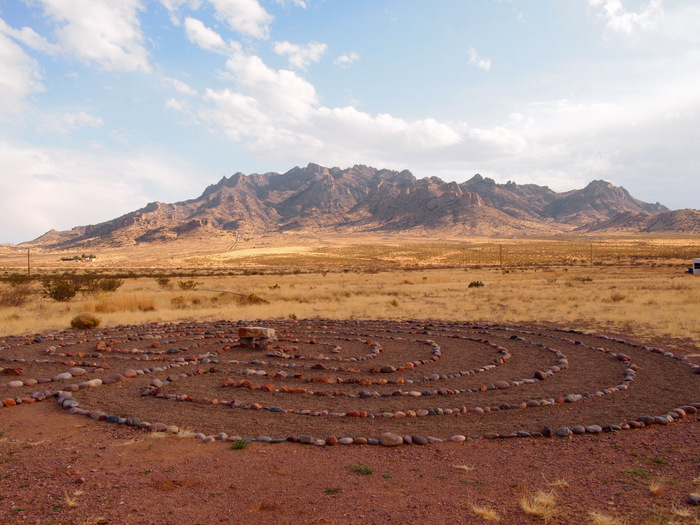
{"x":365,"y":199}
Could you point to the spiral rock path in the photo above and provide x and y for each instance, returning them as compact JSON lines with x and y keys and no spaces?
{"x":330,"y":382}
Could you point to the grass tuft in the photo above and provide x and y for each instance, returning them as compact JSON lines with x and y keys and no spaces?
{"x":485,"y":513}
{"x":362,"y":469}
{"x":540,"y":504}
{"x":596,"y":518}
{"x":656,"y":486}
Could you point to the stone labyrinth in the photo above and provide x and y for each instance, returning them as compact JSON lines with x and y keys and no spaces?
{"x":340,"y":382}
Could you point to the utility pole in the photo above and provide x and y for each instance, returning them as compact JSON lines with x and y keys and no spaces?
{"x":500,"y":254}
{"x":29,"y":272}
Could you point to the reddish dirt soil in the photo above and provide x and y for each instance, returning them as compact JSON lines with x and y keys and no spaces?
{"x":57,"y":467}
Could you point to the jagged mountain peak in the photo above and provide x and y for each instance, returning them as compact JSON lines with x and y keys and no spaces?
{"x":361,"y":198}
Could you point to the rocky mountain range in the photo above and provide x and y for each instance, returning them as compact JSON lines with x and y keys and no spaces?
{"x":365,"y":199}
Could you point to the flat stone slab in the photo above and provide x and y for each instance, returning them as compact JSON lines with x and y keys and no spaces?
{"x":256,"y":332}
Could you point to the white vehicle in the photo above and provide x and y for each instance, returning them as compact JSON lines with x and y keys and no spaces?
{"x":695,"y":269}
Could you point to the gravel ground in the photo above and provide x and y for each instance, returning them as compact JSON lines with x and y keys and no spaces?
{"x":57,"y":467}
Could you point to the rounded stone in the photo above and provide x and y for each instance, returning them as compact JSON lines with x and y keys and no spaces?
{"x":563,"y":432}
{"x":389,"y":439}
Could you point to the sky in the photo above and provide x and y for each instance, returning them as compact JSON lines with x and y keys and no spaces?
{"x":106,"y":105}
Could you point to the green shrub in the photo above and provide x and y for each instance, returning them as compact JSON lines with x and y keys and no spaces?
{"x":476,"y":284}
{"x":109,"y":284}
{"x":60,"y":289}
{"x":239,"y":444}
{"x":91,"y":285}
{"x":85,"y":322}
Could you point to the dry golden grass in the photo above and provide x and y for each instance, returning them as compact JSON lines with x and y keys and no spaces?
{"x":71,"y":499}
{"x":485,"y":513}
{"x":596,"y":518}
{"x":639,"y":285}
{"x":656,"y":487}
{"x":541,"y":504}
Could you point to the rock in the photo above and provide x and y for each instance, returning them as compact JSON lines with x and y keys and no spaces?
{"x":306,"y":439}
{"x":458,"y":438}
{"x":345,"y":441}
{"x":130,"y":373}
{"x":578,"y":429}
{"x":693,"y":499}
{"x":563,"y":432}
{"x":419,"y":440}
{"x":331,"y":441}
{"x":389,"y":439}
{"x":387,"y":369}
{"x":62,"y":376}
{"x":15,"y":384}
{"x":501,"y":385}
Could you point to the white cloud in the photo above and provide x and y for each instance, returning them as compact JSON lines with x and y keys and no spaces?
{"x":298,"y":3}
{"x":618,"y":19}
{"x":204,"y":37}
{"x":245,"y":16}
{"x":683,"y":23}
{"x":69,"y":122}
{"x":100,"y":31}
{"x":29,"y":37}
{"x":53,"y":188}
{"x":300,"y":56}
{"x":239,"y":116}
{"x":179,"y":86}
{"x":177,"y":105}
{"x":19,"y":77}
{"x":282,"y":92}
{"x":475,"y":60}
{"x":347,"y":59}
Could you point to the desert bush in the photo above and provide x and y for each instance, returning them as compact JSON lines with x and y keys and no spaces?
{"x":616,"y":297}
{"x":60,"y":289}
{"x":92,"y":286}
{"x":475,"y":284}
{"x":178,"y":302}
{"x":187,"y":285}
{"x":16,"y":294}
{"x":164,"y":283}
{"x":85,"y":321}
{"x":109,"y":284}
{"x":252,"y":299}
